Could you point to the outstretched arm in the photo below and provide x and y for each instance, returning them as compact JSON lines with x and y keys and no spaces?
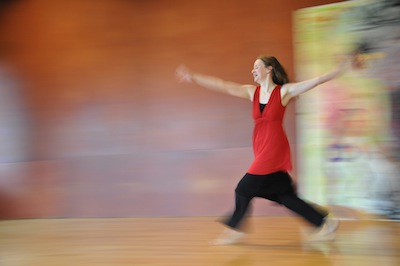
{"x":217,"y":84}
{"x":291,"y":90}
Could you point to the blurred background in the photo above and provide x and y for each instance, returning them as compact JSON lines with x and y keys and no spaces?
{"x":349,"y":137}
{"x":93,"y":122}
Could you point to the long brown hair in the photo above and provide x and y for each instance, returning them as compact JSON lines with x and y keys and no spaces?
{"x":279,"y":75}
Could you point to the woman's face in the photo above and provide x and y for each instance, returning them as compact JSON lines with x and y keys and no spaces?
{"x":259,"y":71}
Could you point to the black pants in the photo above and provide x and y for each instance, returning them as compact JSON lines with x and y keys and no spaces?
{"x":276,"y":187}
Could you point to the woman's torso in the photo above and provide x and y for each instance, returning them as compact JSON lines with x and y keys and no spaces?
{"x":270,"y":145}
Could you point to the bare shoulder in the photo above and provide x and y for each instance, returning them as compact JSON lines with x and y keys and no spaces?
{"x":285,"y":88}
{"x":250,"y":90}
{"x":286,"y":95}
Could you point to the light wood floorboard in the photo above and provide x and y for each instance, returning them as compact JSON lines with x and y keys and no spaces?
{"x":185,"y":241}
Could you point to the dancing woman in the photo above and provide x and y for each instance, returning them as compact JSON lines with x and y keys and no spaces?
{"x":268,"y":176}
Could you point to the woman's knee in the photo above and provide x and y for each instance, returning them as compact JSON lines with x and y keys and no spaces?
{"x":247,"y":186}
{"x":287,"y":199}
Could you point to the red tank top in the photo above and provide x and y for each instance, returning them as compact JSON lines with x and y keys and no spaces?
{"x":270,"y":144}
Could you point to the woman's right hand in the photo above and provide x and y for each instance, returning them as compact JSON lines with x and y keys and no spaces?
{"x":183,"y":74}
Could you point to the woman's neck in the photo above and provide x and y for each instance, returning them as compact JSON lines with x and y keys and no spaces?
{"x":267,"y":86}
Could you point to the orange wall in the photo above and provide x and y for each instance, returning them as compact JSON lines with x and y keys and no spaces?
{"x":95,"y":123}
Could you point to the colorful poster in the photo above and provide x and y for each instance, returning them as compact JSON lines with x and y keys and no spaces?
{"x":349,"y":128}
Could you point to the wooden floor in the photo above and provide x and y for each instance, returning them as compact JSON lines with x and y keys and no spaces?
{"x":184,"y":241}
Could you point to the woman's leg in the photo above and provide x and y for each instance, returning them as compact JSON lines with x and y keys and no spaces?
{"x":245,"y":191}
{"x":305,"y":210}
{"x":325,"y":227}
{"x":243,"y":197}
{"x":241,"y":208}
{"x":279,"y":187}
